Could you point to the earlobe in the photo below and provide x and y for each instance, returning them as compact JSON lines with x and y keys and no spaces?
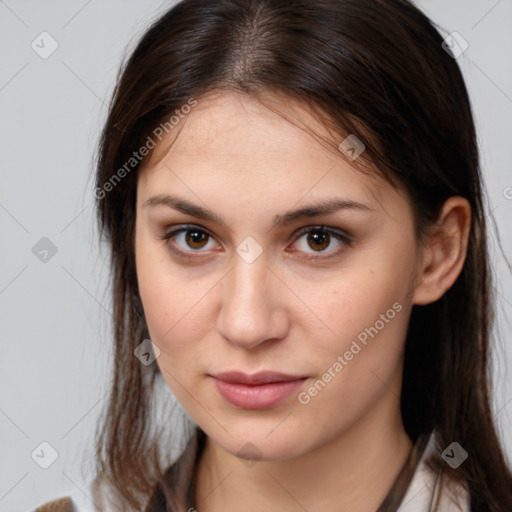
{"x":444,"y":252}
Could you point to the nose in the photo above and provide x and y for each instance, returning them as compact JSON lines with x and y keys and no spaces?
{"x":253,"y":309}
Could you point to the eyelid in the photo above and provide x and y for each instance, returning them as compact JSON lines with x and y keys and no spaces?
{"x":176,"y":230}
{"x":322,"y":227}
{"x":341,"y":235}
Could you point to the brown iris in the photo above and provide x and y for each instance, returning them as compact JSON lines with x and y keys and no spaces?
{"x":319,"y":238}
{"x":195,"y":236}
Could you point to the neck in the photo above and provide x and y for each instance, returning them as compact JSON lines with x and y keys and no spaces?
{"x":353,"y":471}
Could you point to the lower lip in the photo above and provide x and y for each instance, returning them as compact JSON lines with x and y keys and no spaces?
{"x":263,"y":396}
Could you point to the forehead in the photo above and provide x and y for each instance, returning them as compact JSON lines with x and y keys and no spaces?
{"x":232,"y":142}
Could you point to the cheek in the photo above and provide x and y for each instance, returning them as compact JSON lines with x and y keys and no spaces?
{"x":361,"y":361}
{"x":171,"y":316}
{"x":164,"y":301}
{"x":175,"y":307}
{"x":367,"y":311}
{"x":351,"y":305}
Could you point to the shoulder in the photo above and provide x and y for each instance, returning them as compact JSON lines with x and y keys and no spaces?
{"x":427,"y":488}
{"x":97,"y":495}
{"x":64,"y":504}
{"x":85,"y":499}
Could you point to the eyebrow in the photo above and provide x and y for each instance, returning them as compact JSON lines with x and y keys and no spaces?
{"x":325,"y":207}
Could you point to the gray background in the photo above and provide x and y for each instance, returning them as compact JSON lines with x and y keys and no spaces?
{"x":55,"y":315}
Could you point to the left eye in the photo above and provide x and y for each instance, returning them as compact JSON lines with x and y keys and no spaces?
{"x":194,"y":239}
{"x":319,"y":238}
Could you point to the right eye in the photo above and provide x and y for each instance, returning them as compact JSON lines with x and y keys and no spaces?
{"x":187,"y":240}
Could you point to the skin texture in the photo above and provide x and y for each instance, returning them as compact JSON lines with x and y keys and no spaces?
{"x":215,"y":312}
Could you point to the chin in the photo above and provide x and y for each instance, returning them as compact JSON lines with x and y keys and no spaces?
{"x":255,"y":443}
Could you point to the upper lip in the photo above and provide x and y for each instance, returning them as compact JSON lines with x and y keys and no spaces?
{"x":259,"y":378}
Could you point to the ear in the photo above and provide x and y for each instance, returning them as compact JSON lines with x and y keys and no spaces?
{"x":444,"y":252}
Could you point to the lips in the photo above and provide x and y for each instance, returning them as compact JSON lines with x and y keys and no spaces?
{"x":256,"y":379}
{"x":259,"y":391}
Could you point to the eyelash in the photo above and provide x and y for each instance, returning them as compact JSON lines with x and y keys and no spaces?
{"x":341,"y":237}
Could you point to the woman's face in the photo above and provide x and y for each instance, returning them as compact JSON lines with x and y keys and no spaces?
{"x":255,"y":287}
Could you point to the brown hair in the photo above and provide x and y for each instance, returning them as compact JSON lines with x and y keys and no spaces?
{"x":374,"y":68}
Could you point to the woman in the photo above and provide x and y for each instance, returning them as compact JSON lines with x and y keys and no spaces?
{"x":291,"y":195}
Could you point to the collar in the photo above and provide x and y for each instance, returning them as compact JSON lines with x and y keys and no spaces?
{"x":429,"y":492}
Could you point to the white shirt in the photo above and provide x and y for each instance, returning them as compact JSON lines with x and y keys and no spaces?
{"x":425,"y":487}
